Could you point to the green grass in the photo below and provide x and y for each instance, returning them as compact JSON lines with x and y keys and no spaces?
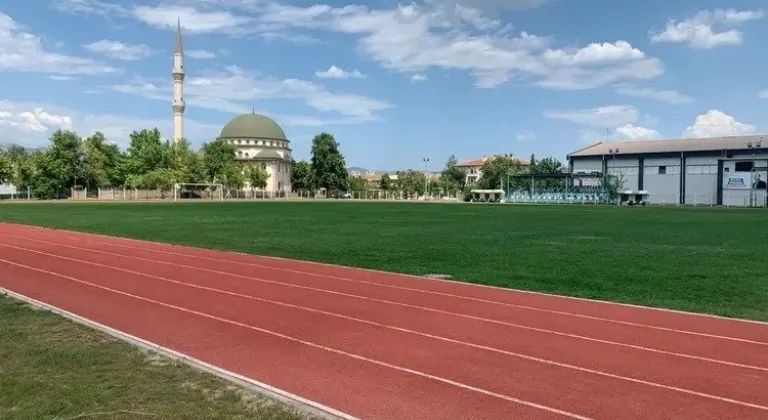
{"x":51,"y":368}
{"x":705,"y":260}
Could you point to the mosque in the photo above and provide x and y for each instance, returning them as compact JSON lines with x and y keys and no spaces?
{"x":257,"y":138}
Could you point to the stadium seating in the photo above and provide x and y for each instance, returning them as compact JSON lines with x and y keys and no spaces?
{"x":576,"y":195}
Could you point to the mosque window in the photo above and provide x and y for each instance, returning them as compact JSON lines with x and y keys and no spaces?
{"x":246,"y":155}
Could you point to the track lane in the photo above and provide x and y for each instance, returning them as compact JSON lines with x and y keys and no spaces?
{"x":695,"y":375}
{"x":329,"y":378}
{"x":617,"y":400}
{"x":698,"y":346}
{"x":610,"y":312}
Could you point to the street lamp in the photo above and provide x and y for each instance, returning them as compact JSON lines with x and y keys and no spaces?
{"x":426,"y":180}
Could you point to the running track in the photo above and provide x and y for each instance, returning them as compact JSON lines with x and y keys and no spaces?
{"x":383,"y":346}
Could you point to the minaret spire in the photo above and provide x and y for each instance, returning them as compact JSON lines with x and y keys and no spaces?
{"x":178,"y":87}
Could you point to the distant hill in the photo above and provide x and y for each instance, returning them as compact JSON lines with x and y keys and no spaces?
{"x":356,"y":169}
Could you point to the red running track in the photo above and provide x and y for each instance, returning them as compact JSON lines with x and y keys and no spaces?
{"x":385,"y":346}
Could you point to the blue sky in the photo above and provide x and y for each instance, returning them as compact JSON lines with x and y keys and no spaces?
{"x":394,"y":82}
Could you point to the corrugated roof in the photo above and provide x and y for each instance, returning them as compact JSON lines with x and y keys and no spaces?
{"x":671,"y":146}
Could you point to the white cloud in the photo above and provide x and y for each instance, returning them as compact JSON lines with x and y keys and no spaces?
{"x":62,"y":78}
{"x":763,"y":94}
{"x":633,"y":132}
{"x":335,"y":72}
{"x":419,"y":77}
{"x":236,"y":90}
{"x":526,"y":136}
{"x":23,"y":51}
{"x":31,"y":124}
{"x":670,"y":96}
{"x":444,"y":34}
{"x":699,"y":31}
{"x":200,"y":54}
{"x":119,"y":50}
{"x":601,"y":117}
{"x":31,"y":119}
{"x":716,"y":123}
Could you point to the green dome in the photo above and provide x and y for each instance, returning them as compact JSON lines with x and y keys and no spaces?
{"x":252,"y":126}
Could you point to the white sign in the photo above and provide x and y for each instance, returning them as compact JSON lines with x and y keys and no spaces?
{"x":744,"y":181}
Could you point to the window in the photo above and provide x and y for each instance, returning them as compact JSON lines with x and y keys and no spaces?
{"x":744,"y":166}
{"x":662,"y":170}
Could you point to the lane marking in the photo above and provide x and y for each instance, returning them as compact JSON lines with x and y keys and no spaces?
{"x":296,"y":401}
{"x":310,"y":344}
{"x":436,"y":337}
{"x":423,"y":308}
{"x":371,"y":270}
{"x":493,"y":302}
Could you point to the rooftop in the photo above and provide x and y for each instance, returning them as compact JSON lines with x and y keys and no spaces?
{"x":480,"y":162}
{"x":673,"y":146}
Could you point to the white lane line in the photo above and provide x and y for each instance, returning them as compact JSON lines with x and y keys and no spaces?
{"x":310,"y":344}
{"x":493,"y":302}
{"x":301,"y":403}
{"x":422,"y":308}
{"x":444,"y":339}
{"x":370,"y":270}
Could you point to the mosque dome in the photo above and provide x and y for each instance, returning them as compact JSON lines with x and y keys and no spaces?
{"x":252,"y":126}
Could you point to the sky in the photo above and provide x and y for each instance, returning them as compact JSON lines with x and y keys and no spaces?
{"x":394,"y":82}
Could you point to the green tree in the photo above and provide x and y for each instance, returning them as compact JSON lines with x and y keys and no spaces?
{"x":184,"y":162}
{"x":6,"y":170}
{"x":301,"y":174}
{"x":327,"y":168}
{"x":146,"y":153}
{"x":218,"y":159}
{"x":385,"y":182}
{"x":256,"y":176}
{"x":233,"y":175}
{"x":357,"y":183}
{"x":495,"y":170}
{"x":100,"y":161}
{"x":453,"y":177}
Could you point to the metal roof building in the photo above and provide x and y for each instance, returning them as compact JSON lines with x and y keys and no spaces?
{"x":709,"y":171}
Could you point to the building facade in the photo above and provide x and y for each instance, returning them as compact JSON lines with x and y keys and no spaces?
{"x":728,"y":171}
{"x":474,"y":168}
{"x":260,"y":140}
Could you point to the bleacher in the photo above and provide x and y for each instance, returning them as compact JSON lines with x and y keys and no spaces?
{"x":575,"y":195}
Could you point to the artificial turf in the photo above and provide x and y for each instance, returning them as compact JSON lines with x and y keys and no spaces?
{"x":702,"y":260}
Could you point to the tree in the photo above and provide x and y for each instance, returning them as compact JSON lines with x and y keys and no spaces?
{"x":495,"y":170}
{"x":301,"y":172}
{"x":185,"y":163}
{"x":357,"y":183}
{"x":327,"y":168}
{"x":385,"y":183}
{"x":6,"y":170}
{"x":218,"y":158}
{"x":256,"y":176}
{"x":146,"y":153}
{"x":453,"y":176}
{"x":100,"y":161}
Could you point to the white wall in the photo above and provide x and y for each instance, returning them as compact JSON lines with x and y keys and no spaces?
{"x":628,"y":168}
{"x":587,"y":165}
{"x":661,"y":178}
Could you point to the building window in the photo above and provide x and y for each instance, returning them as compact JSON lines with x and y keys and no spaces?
{"x":662,"y":170}
{"x":744,"y":166}
{"x":246,"y":155}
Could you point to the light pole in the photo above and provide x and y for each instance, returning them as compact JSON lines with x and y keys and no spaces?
{"x":426,"y":180}
{"x":752,"y":192}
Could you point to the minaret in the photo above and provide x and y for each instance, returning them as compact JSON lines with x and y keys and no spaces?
{"x":178,"y":87}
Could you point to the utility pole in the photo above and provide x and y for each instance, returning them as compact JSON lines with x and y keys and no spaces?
{"x":426,"y":179}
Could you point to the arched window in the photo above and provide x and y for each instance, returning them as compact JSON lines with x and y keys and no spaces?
{"x":246,"y":155}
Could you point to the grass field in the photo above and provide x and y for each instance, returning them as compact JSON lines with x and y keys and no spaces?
{"x":704,"y":260}
{"x":54,"y":369}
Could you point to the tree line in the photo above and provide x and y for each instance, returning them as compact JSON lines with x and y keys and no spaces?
{"x":496,"y":173}
{"x":150,"y":162}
